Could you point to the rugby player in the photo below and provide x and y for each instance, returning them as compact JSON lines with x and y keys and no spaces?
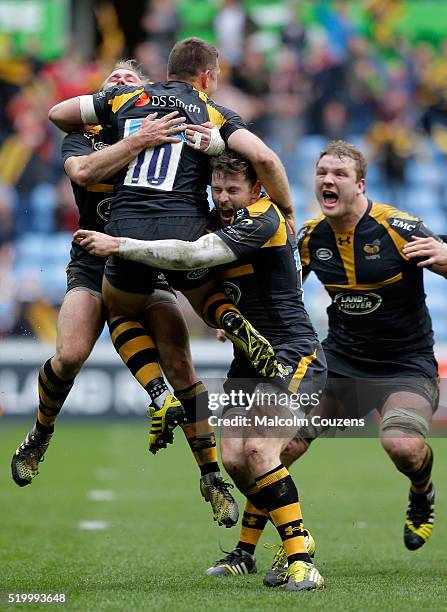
{"x":260,"y":259}
{"x":379,"y":349}
{"x":91,"y":159}
{"x":162,"y":194}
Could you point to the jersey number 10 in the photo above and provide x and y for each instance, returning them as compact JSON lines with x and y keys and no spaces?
{"x":153,"y":168}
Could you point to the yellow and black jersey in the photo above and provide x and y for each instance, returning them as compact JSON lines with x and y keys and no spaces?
{"x":171,"y":178}
{"x":93,"y":202}
{"x":265,"y":281}
{"x":377,"y":308}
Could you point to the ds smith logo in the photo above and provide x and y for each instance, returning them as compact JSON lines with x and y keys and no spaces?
{"x":143,"y":99}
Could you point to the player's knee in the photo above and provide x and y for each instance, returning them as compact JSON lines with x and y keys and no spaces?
{"x":253,"y":450}
{"x":232,"y":457}
{"x":178,"y":369}
{"x":234,"y":465}
{"x":67,"y":362}
{"x":259,"y":451}
{"x":406,"y":452}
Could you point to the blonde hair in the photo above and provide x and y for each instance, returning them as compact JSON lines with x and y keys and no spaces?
{"x":131,"y":65}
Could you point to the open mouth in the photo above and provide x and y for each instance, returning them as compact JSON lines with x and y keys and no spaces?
{"x":225,"y":215}
{"x":330,"y":198}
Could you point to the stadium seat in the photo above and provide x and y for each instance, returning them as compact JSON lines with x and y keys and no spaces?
{"x":420,"y":172}
{"x":423,"y":199}
{"x":43,"y":206}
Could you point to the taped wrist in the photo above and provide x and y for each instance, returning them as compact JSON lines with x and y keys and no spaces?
{"x":216,"y":145}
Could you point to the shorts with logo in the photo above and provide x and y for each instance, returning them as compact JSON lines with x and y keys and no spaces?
{"x":356,"y":388}
{"x":84,"y":270}
{"x":363,"y":385}
{"x":139,"y":278}
{"x":302,"y":372}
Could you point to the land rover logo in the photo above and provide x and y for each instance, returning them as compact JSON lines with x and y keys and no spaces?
{"x":324,"y":254}
{"x":357,"y":303}
{"x":194,"y":274}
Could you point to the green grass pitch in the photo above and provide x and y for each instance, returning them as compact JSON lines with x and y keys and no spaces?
{"x":159,"y":536}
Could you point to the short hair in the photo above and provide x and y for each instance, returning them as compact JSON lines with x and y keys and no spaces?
{"x":342,"y":149}
{"x":232,"y":163}
{"x":133,"y":65}
{"x":191,"y":56}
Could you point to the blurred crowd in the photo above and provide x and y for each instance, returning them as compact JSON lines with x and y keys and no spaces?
{"x":343,"y":74}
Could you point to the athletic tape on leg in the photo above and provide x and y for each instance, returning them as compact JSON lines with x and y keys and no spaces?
{"x":405,"y":420}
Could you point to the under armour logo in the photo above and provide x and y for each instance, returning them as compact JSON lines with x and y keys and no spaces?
{"x":250,"y":522}
{"x":289,"y":530}
{"x":202,"y":444}
{"x":341,"y":241}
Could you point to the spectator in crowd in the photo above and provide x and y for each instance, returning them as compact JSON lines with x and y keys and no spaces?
{"x":231,"y":26}
{"x":160,"y":24}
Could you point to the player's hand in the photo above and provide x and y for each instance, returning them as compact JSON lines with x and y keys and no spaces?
{"x":155,"y":132}
{"x":97,"y":243}
{"x":220,"y":335}
{"x":431,"y":250}
{"x":205,"y":138}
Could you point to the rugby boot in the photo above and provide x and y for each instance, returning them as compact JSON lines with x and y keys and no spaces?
{"x":420,"y":517}
{"x":302,"y":576}
{"x":164,"y":421}
{"x":26,"y":459}
{"x":216,"y":491}
{"x":276,"y":575}
{"x":237,"y":563}
{"x":246,"y":338}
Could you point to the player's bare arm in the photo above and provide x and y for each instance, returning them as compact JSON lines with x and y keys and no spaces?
{"x":207,"y":251}
{"x":269,"y":169}
{"x":432,"y":250}
{"x":86,"y":170}
{"x":67,"y":115}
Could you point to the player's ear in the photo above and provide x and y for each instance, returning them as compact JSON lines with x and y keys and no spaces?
{"x":204,"y":79}
{"x":256,"y":189}
{"x":362,"y":185}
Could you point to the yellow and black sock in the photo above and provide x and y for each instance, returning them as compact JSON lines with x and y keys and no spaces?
{"x":198,"y":431}
{"x":215,"y":307}
{"x":253,"y":523}
{"x":421,"y":478}
{"x":53,"y":392}
{"x":280,"y":496}
{"x":138,"y":351}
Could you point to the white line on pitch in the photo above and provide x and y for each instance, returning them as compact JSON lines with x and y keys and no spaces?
{"x":101,"y":495}
{"x":93,"y":525}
